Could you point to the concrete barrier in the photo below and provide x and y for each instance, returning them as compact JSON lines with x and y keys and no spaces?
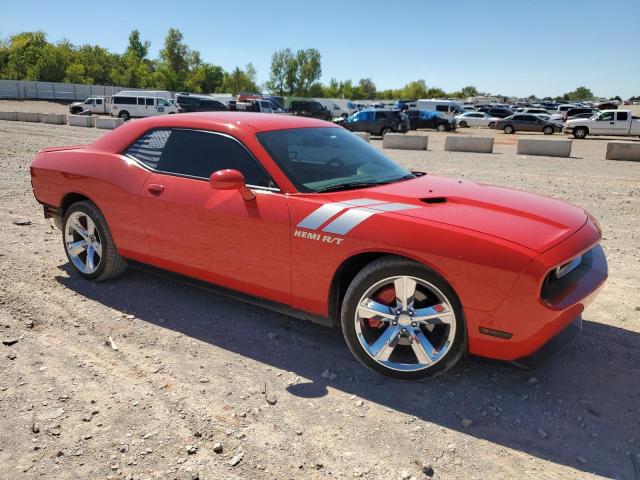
{"x":548,"y":148}
{"x":363,"y":135}
{"x":405,"y":142}
{"x":623,"y":151}
{"x":81,"y":121}
{"x":9,"y":116}
{"x":27,"y":116}
{"x":53,"y":118}
{"x":468,"y":144}
{"x":108,"y":123}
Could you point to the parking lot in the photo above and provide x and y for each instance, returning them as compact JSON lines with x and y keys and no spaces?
{"x":141,"y":377}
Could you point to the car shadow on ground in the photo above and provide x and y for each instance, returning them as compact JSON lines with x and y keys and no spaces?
{"x":580,"y":410}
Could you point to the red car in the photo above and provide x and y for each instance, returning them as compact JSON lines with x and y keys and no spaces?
{"x":303,"y":216}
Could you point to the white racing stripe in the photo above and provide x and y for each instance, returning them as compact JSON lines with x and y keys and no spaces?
{"x":354,"y":217}
{"x":328,"y":210}
{"x":345,"y":222}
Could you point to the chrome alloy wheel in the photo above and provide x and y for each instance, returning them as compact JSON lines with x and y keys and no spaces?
{"x":82,"y":241}
{"x":405,"y":323}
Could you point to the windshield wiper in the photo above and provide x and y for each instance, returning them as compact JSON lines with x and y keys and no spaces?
{"x":354,"y":185}
{"x":348,"y":186}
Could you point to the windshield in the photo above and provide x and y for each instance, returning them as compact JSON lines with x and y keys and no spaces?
{"x":320,"y":159}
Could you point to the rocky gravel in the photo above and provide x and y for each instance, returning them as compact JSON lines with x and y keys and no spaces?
{"x":146,"y":378}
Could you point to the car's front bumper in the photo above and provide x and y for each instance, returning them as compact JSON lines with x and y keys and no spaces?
{"x":525,"y":321}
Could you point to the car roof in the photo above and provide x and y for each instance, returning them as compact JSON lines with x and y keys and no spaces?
{"x":248,"y":123}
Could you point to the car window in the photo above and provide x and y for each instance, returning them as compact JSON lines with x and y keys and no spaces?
{"x":91,"y":101}
{"x":622,"y":116}
{"x":125,"y":100}
{"x":98,"y":101}
{"x":318,"y":158}
{"x":150,"y":102}
{"x":382,"y":115}
{"x":607,"y":116}
{"x":162,"y":102}
{"x":442,"y":108}
{"x":197,"y":154}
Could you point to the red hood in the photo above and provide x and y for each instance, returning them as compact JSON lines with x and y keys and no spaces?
{"x":530,"y":220}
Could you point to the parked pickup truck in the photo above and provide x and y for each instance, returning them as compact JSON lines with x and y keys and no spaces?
{"x":92,"y":104}
{"x":607,"y":122}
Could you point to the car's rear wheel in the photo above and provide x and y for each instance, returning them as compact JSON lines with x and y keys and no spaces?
{"x":441,"y":128}
{"x":384,"y":131}
{"x":492,"y":124}
{"x":124,"y":115}
{"x":88,"y":243}
{"x":509,"y":129}
{"x":547,"y":130}
{"x":403,"y":320}
{"x":463,"y":124}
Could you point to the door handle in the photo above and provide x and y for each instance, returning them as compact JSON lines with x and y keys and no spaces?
{"x":155,"y":188}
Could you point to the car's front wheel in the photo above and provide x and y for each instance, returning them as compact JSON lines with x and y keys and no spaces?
{"x":403,"y":320}
{"x":509,"y":129}
{"x":579,"y":132}
{"x":88,"y":243}
{"x":463,"y":124}
{"x":547,"y":130}
{"x":441,"y":128}
{"x":384,"y":131}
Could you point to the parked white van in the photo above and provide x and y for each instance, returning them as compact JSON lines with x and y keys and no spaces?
{"x":445,"y":107}
{"x":129,"y":104}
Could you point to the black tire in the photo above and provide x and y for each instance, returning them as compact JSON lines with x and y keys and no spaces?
{"x":492,"y":124}
{"x":377,"y":271}
{"x":580,"y":132}
{"x":384,"y":131}
{"x":547,"y":130}
{"x":111,"y":264}
{"x":463,"y":124}
{"x":441,"y":128}
{"x":124,"y":115}
{"x":509,"y":130}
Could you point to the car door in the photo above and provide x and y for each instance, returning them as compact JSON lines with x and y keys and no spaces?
{"x":604,"y":124}
{"x":213,"y":235}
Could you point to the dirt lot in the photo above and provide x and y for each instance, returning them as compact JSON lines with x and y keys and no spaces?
{"x":191,"y":368}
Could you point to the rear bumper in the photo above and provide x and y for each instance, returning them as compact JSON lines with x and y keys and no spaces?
{"x":530,"y":321}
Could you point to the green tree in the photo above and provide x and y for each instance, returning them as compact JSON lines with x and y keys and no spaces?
{"x":367,"y":87}
{"x":281,"y":62}
{"x":470,"y":91}
{"x":175,"y":54}
{"x":137,"y":49}
{"x":309,"y":69}
{"x":580,"y":93}
{"x":75,"y":73}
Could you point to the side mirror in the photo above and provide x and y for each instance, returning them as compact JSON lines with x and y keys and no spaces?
{"x":231,"y":180}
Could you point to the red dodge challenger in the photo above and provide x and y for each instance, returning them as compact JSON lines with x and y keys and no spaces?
{"x":304,"y":217}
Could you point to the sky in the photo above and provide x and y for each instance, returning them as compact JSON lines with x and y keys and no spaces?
{"x":519,"y":48}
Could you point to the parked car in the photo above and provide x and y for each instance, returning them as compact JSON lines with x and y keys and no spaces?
{"x":426,"y":119}
{"x":377,"y":122}
{"x":299,"y":215}
{"x":126,"y":105}
{"x":533,"y":111}
{"x":549,"y":118}
{"x":607,"y":106}
{"x":496,"y":112}
{"x":97,"y":105}
{"x":309,"y":108}
{"x":476,"y":119}
{"x":254,"y":105}
{"x":527,"y":123}
{"x":188,"y":102}
{"x":338,"y":108}
{"x":572,"y":112}
{"x":609,"y":122}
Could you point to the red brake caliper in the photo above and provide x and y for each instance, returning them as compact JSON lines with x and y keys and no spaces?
{"x":386,"y":296}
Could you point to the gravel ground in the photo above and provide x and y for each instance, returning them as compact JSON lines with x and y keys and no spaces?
{"x":205,"y":387}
